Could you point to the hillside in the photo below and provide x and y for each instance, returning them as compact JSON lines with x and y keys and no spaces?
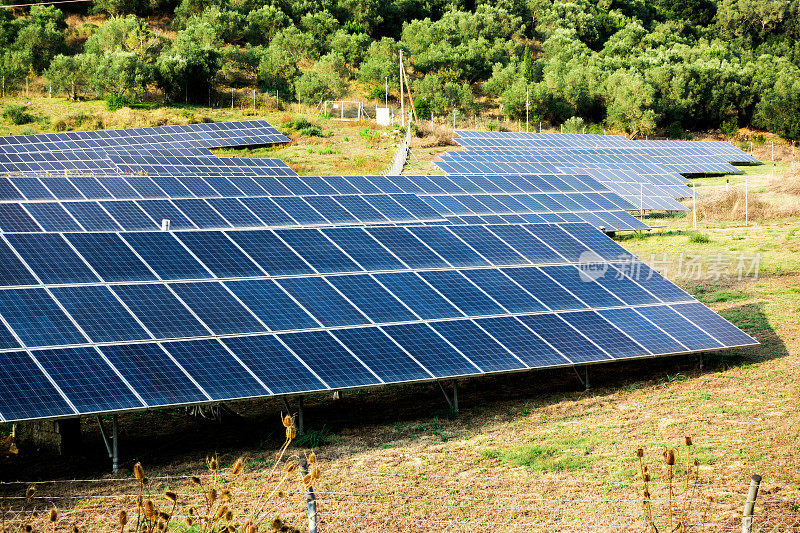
{"x":638,"y":66}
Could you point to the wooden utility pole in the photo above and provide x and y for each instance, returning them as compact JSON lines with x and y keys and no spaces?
{"x":402,"y":94}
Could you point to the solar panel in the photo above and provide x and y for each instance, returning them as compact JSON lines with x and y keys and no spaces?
{"x":401,"y":279}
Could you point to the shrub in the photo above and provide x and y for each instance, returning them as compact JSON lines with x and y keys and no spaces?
{"x":16,"y":115}
{"x":310,"y":131}
{"x":115,"y":102}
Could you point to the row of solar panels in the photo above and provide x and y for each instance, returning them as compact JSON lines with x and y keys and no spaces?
{"x":125,"y":187}
{"x":440,"y":347}
{"x":75,"y":258}
{"x":607,"y":220}
{"x":84,"y":380}
{"x":215,"y":213}
{"x":288,"y":211}
{"x":206,"y":135}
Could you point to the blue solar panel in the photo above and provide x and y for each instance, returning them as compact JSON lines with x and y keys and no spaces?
{"x":202,"y":214}
{"x":235,"y":212}
{"x":219,"y":254}
{"x":331,"y":209}
{"x":160,"y":311}
{"x":37,"y":319}
{"x":25,"y":392}
{"x":269,"y":212}
{"x":504,"y":291}
{"x":489,"y":245}
{"x":303,"y":213}
{"x":91,"y":216}
{"x":546,"y":290}
{"x":157,"y":379}
{"x":270,"y":252}
{"x":52,"y":217}
{"x":680,"y":328}
{"x":622,"y":286}
{"x":166,"y":256}
{"x":361,"y":209}
{"x":317,"y":250}
{"x":51,"y":258}
{"x":12,"y":271}
{"x":329,"y":359}
{"x":654,"y":282}
{"x":459,"y":290}
{"x":456,"y":252}
{"x":62,"y":188}
{"x":274,"y":364}
{"x":431,"y":350}
{"x":609,"y":338}
{"x":407,"y":248}
{"x":363,"y":249}
{"x":14,"y":218}
{"x":417,"y":295}
{"x":90,"y":187}
{"x":476,"y":344}
{"x":217,"y":308}
{"x":99,"y":314}
{"x":565,"y":339}
{"x":215,"y":369}
{"x":273,"y":306}
{"x":130,"y":216}
{"x":713,"y":324}
{"x":380,"y":353}
{"x":32,"y":188}
{"x":323,"y":301}
{"x":160,"y":210}
{"x":531,"y":349}
{"x":110,"y":257}
{"x":529,"y":246}
{"x":7,"y":339}
{"x":582,"y":286}
{"x":87,"y":380}
{"x":372,"y":299}
{"x":646,"y":333}
{"x":119,"y":187}
{"x":559,"y":240}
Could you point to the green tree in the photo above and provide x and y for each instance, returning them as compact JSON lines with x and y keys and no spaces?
{"x":68,"y":73}
{"x":190,"y":64}
{"x":264,"y":23}
{"x":277,"y":70}
{"x":325,"y":81}
{"x":629,"y":100}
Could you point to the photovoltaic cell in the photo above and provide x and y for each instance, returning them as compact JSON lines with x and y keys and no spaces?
{"x":372,"y":299}
{"x":25,"y":392}
{"x":160,"y":311}
{"x":219,"y":254}
{"x":582,"y":286}
{"x":322,"y":301}
{"x":363,"y":249}
{"x":645,"y":333}
{"x":215,"y":369}
{"x":99,"y":314}
{"x":329,"y":359}
{"x":531,"y":349}
{"x":381,"y":354}
{"x":157,"y":379}
{"x":416,"y":294}
{"x":431,"y":350}
{"x":456,"y":252}
{"x":504,"y":291}
{"x":166,"y":256}
{"x":459,"y":290}
{"x":37,"y":319}
{"x":603,"y":334}
{"x":546,"y":290}
{"x":14,"y":218}
{"x":713,"y":324}
{"x":217,"y":308}
{"x":110,"y":257}
{"x":407,"y":248}
{"x":87,"y":380}
{"x":51,"y":258}
{"x":273,"y":306}
{"x":317,"y":250}
{"x":270,"y":252}
{"x":687,"y":333}
{"x":52,"y":217}
{"x":473,"y":342}
{"x":12,"y":271}
{"x":565,"y":339}
{"x":273,"y":364}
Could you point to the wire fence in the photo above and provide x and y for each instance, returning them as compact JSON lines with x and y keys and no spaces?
{"x":401,"y":154}
{"x":358,"y":498}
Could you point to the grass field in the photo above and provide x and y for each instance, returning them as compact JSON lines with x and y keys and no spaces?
{"x":530,"y":451}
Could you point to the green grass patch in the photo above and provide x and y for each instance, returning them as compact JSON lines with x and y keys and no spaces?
{"x":698,"y":238}
{"x":547,"y":455}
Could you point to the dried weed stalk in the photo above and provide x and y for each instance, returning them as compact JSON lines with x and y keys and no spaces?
{"x":680,"y":495}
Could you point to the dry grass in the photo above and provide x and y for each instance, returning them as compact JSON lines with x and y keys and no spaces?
{"x":725,"y":205}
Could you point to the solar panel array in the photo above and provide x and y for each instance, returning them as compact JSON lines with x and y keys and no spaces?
{"x":280,"y":284}
{"x":646,"y":173}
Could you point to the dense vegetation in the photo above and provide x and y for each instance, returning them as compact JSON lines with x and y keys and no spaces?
{"x":635,"y":65}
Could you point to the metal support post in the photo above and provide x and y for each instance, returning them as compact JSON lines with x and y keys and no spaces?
{"x":111,"y":442}
{"x":455,"y":396}
{"x":300,"y":425}
{"x":750,"y":503}
{"x":585,"y":379}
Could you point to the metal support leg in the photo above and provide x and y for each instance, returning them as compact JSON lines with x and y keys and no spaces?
{"x":453,"y":404}
{"x":111,"y":442}
{"x":455,"y":396}
{"x":114,"y":446}
{"x":700,"y":360}
{"x":286,"y":405}
{"x":300,"y":426}
{"x":586,"y":378}
{"x":583,"y":379}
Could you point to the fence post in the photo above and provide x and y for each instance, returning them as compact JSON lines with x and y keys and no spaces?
{"x":311,"y":501}
{"x":27,"y":94}
{"x":750,"y":503}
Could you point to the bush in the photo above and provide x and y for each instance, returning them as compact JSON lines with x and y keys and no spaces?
{"x":574,"y":125}
{"x":729,"y":128}
{"x":16,"y":115}
{"x":116,"y":101}
{"x":310,"y":131}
